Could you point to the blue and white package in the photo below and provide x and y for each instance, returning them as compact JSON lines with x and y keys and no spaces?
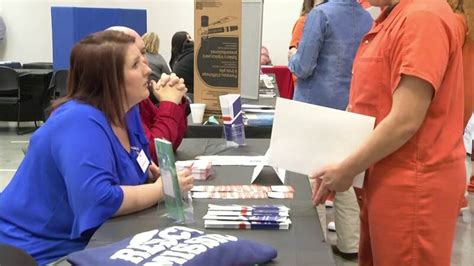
{"x":232,"y":117}
{"x":177,"y":245}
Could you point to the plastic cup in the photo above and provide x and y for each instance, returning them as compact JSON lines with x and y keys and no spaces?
{"x":197,"y":112}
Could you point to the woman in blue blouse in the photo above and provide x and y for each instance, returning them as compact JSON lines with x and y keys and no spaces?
{"x":323,"y":60}
{"x":90,"y":161}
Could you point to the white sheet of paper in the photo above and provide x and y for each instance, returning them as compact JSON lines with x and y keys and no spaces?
{"x":256,"y":106}
{"x":306,"y":137}
{"x":234,"y":160}
{"x":247,"y":111}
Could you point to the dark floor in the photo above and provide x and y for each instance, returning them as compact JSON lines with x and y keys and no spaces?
{"x":11,"y":154}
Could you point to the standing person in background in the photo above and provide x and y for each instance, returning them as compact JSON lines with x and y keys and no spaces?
{"x":184,"y":65}
{"x":415,"y":155}
{"x":265,"y":59}
{"x":177,"y":42}
{"x":169,"y":119}
{"x":156,"y":61}
{"x":465,"y":17}
{"x":323,"y":64}
{"x":299,"y":25}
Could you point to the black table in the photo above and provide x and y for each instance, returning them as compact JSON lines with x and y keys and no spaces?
{"x":217,"y":131}
{"x":302,"y":244}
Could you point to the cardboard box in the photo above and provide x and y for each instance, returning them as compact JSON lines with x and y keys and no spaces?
{"x":217,"y":63}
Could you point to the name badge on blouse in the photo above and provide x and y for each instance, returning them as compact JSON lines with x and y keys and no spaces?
{"x":143,"y":161}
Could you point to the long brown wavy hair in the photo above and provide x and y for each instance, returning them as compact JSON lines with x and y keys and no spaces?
{"x":96,"y":74}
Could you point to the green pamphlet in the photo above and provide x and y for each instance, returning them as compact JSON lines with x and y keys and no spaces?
{"x":177,"y":205}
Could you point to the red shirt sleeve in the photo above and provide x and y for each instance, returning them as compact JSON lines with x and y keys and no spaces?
{"x":167,"y":121}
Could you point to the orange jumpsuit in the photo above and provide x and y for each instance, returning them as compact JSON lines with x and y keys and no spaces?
{"x":412,"y":197}
{"x":468,"y":71}
{"x":468,"y":67}
{"x":297,"y":32}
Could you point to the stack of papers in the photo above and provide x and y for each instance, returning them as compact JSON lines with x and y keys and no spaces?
{"x":234,"y":160}
{"x":200,"y":169}
{"x":258,"y":115}
{"x":247,"y":217}
{"x":257,"y":108}
{"x":242,"y":192}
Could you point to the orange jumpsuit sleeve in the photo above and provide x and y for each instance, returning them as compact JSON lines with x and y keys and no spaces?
{"x":422,"y":50}
{"x":297,"y":32}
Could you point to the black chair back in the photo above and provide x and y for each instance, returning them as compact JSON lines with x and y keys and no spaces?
{"x":59,"y":83}
{"x":9,"y":83}
{"x":57,"y":88}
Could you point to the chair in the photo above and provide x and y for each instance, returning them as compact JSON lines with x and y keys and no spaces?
{"x":57,"y":88}
{"x":59,"y":83}
{"x":10,"y":92}
{"x":38,"y":65}
{"x":10,"y":255}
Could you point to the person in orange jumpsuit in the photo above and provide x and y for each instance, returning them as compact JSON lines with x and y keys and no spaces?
{"x":464,"y":12}
{"x":299,"y":24}
{"x":408,"y":75}
{"x":297,"y":31}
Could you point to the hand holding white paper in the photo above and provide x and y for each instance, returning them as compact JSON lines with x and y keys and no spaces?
{"x":306,"y":137}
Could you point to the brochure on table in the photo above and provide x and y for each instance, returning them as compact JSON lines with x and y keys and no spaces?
{"x":232,"y":117}
{"x":179,"y":207}
{"x":217,"y":53}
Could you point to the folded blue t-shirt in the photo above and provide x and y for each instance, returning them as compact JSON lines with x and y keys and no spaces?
{"x":177,"y":245}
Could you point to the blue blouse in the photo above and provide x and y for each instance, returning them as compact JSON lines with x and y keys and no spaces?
{"x":323,"y":62}
{"x":69,"y":181}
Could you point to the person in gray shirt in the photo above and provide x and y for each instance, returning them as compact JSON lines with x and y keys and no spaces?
{"x":156,"y":61}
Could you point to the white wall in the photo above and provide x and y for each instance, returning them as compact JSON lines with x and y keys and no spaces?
{"x":29,"y":24}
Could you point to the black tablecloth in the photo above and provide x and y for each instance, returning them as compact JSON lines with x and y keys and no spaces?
{"x":302,"y":244}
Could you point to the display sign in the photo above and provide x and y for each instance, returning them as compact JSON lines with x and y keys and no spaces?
{"x":217,"y":54}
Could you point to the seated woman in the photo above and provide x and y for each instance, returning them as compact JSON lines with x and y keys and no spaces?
{"x":183,"y":64}
{"x":90,"y":161}
{"x":265,"y":57}
{"x":177,"y":42}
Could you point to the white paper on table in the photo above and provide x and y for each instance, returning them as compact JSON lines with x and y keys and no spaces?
{"x":267,"y":95}
{"x":306,"y":137}
{"x":268,"y":83}
{"x":269,"y":111}
{"x":234,"y":160}
{"x":256,"y":106}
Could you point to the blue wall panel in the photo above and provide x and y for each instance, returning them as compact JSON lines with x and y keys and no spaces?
{"x":71,"y":24}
